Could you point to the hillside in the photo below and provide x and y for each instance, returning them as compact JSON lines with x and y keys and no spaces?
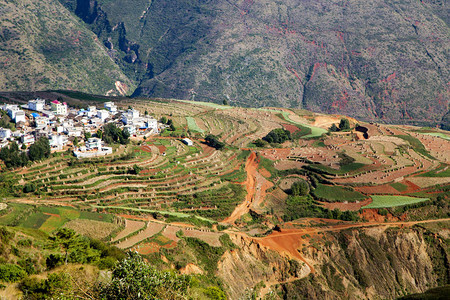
{"x":271,"y":196}
{"x":379,"y":60}
{"x":44,"y":46}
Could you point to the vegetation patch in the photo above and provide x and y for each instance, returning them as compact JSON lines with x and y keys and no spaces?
{"x":399,"y":186}
{"x":380,"y":201}
{"x":333,"y":193}
{"x":193,"y":125}
{"x":416,"y":145}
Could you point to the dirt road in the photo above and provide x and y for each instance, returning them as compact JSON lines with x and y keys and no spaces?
{"x":251,"y":167}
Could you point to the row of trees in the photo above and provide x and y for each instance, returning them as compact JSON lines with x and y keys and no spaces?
{"x":13,"y":157}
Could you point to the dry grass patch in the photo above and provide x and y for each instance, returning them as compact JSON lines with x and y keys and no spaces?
{"x":94,"y":229}
{"x":130,"y":227}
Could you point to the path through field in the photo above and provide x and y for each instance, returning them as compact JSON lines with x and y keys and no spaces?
{"x":251,"y":167}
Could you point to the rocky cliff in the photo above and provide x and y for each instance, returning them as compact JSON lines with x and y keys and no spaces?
{"x":371,"y":263}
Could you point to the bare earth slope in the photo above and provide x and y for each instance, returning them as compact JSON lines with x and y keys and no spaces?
{"x":44,"y":46}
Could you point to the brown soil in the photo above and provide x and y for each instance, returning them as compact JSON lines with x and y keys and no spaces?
{"x":243,"y":208}
{"x":291,"y":128}
{"x":352,"y":206}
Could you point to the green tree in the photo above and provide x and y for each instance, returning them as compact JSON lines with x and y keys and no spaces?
{"x":40,"y":149}
{"x":99,"y":133}
{"x":113,"y":134}
{"x":132,"y":278}
{"x":344,"y":124}
{"x":278,"y":135}
{"x":334,"y":128}
{"x":163,"y":120}
{"x":213,"y":141}
{"x":66,"y":240}
{"x":87,"y":135}
{"x":75,"y":142}
{"x":300,"y":188}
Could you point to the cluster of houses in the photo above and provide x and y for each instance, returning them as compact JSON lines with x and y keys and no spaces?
{"x":62,"y":124}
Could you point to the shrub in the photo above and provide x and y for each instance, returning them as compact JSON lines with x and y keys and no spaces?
{"x":278,"y":135}
{"x":11,"y":273}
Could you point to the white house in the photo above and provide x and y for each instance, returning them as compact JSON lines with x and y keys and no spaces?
{"x":27,"y":139}
{"x":152,"y":123}
{"x":59,"y":108}
{"x":5,"y":133}
{"x":36,"y":104}
{"x":58,"y":141}
{"x":188,"y":142}
{"x":130,"y":129}
{"x":110,"y":106}
{"x":91,"y":111}
{"x":15,"y":113}
{"x":94,"y":143}
{"x":130,"y":116}
{"x":19,"y":116}
{"x":72,"y":131}
{"x":41,"y":122}
{"x":103,"y":114}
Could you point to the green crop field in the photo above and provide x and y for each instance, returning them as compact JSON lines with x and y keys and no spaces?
{"x":193,"y":125}
{"x":416,"y":144}
{"x":442,"y":171}
{"x":438,"y":134}
{"x":399,"y":186}
{"x":344,"y":169}
{"x":380,"y":201}
{"x":315,"y":131}
{"x":337,"y":194}
{"x":208,"y":104}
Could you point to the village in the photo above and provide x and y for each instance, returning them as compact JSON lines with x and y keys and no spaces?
{"x":71,"y":128}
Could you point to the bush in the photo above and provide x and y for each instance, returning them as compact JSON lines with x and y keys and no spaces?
{"x":278,"y":135}
{"x":213,"y":141}
{"x":132,"y":278}
{"x":11,"y":273}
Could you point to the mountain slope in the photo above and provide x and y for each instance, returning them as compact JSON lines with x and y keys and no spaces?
{"x":378,"y":60}
{"x":43,"y":46}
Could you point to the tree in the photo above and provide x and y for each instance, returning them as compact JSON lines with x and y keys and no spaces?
{"x":40,"y":149}
{"x":334,"y":128}
{"x":278,"y":135}
{"x":66,"y":240}
{"x":99,"y":133}
{"x":214,"y":142}
{"x":75,"y":141}
{"x":132,"y":278}
{"x":146,"y":113}
{"x":163,"y":120}
{"x":259,"y":143}
{"x":23,"y":147}
{"x":300,"y":188}
{"x":344,"y":124}
{"x":113,"y":134}
{"x":87,"y":135}
{"x":225,"y":102}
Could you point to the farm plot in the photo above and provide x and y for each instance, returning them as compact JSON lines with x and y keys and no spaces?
{"x":151,"y":230}
{"x":130,"y":227}
{"x":192,"y":125}
{"x":332,"y":193}
{"x":211,"y":238}
{"x":93,"y":229}
{"x":381,"y":201}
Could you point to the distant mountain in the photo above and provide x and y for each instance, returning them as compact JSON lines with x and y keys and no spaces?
{"x":380,"y":60}
{"x":44,"y":46}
